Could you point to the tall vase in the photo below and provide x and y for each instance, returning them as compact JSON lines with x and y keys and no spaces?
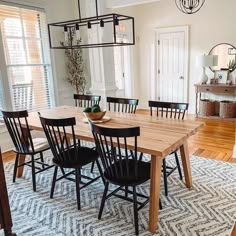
{"x":230,"y":78}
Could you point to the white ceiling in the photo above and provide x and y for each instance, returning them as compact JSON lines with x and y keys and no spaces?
{"x":125,"y":3}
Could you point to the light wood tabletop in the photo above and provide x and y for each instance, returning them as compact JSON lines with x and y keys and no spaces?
{"x":158,"y":137}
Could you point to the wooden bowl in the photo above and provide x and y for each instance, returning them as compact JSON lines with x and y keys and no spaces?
{"x":95,"y":115}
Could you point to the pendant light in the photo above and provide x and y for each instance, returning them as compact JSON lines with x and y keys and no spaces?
{"x":83,"y":28}
{"x":189,"y":6}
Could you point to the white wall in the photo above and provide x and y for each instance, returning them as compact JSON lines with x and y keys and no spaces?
{"x":213,"y":24}
{"x":61,"y":11}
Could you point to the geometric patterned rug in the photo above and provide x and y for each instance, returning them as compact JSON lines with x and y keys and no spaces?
{"x":208,"y":209}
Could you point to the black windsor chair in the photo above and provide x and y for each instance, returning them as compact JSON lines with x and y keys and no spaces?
{"x":18,"y":128}
{"x":119,"y":168}
{"x":170,"y":110}
{"x":126,"y":105}
{"x":67,"y":153}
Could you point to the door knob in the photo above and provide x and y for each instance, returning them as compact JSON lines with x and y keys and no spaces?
{"x":181,"y":77}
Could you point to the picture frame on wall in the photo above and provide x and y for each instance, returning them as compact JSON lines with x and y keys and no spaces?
{"x":221,"y":75}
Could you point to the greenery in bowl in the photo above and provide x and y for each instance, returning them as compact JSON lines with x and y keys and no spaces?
{"x":94,"y":112}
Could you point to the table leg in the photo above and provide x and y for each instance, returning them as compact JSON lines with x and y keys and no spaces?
{"x":196,"y":105}
{"x":156,"y":165}
{"x":21,"y":168}
{"x":186,"y":164}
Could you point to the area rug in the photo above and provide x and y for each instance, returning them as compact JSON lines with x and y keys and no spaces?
{"x":208,"y":209}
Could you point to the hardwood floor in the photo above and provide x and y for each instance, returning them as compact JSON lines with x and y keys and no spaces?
{"x":215,"y":140}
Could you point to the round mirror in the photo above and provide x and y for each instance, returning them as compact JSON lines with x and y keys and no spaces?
{"x":226,"y":57}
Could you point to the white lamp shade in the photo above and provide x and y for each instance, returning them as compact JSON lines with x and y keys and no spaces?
{"x":206,"y":60}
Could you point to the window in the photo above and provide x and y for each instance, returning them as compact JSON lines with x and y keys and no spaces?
{"x":27,"y":61}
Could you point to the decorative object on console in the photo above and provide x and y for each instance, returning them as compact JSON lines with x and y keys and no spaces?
{"x":227,"y":109}
{"x":222,"y":76}
{"x":207,"y":107}
{"x":231,"y":68}
{"x":189,"y":6}
{"x":107,"y":28}
{"x":206,"y":61}
{"x":214,"y":81}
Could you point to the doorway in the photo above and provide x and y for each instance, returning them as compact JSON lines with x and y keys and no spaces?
{"x":172,"y":64}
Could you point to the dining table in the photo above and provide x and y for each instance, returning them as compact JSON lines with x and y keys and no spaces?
{"x":158,"y":137}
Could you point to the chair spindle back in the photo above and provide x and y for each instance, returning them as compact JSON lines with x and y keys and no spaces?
{"x":18,"y":128}
{"x":63,"y":147}
{"x":86,"y":100}
{"x":169,"y":109}
{"x":112,"y":146}
{"x":122,"y":104}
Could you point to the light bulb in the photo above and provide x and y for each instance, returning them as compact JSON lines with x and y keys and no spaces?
{"x":77,"y":33}
{"x":101,"y":23}
{"x":66,"y":35}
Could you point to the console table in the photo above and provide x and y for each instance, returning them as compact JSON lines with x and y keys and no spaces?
{"x":5,"y":213}
{"x":222,"y":89}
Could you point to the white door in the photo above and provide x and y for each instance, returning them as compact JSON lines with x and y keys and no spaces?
{"x":172,"y":83}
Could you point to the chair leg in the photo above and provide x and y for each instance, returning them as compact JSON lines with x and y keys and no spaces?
{"x":178,"y":165}
{"x":54,"y":181}
{"x":165,"y":176}
{"x":103,"y":200}
{"x":77,"y":181}
{"x":33,"y":173}
{"x":126,"y":191}
{"x":92,"y":167}
{"x":62,"y":171}
{"x":160,"y":204}
{"x":100,"y":171}
{"x":15,"y":167}
{"x":42,"y":160}
{"x":135,"y":211}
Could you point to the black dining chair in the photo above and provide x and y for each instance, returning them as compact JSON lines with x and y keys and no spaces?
{"x":171,"y":110}
{"x":86,"y":100}
{"x":67,"y":153}
{"x":119,"y":168}
{"x":18,"y":128}
{"x":127,"y":105}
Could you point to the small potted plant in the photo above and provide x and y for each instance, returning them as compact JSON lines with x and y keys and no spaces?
{"x":231,"y":68}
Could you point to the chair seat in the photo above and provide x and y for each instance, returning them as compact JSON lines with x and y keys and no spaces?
{"x":82,"y":157}
{"x":40,"y":144}
{"x":129,"y":179}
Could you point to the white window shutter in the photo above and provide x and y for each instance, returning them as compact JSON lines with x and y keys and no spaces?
{"x":26,"y":48}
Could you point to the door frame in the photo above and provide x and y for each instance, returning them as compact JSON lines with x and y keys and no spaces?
{"x":174,"y":29}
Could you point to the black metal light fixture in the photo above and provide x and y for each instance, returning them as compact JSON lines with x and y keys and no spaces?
{"x":189,"y":6}
{"x":74,"y":33}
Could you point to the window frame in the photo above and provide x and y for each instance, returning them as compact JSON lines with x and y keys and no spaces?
{"x":6,"y":87}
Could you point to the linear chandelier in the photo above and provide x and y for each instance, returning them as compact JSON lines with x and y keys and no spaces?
{"x":98,"y":31}
{"x":189,"y":6}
